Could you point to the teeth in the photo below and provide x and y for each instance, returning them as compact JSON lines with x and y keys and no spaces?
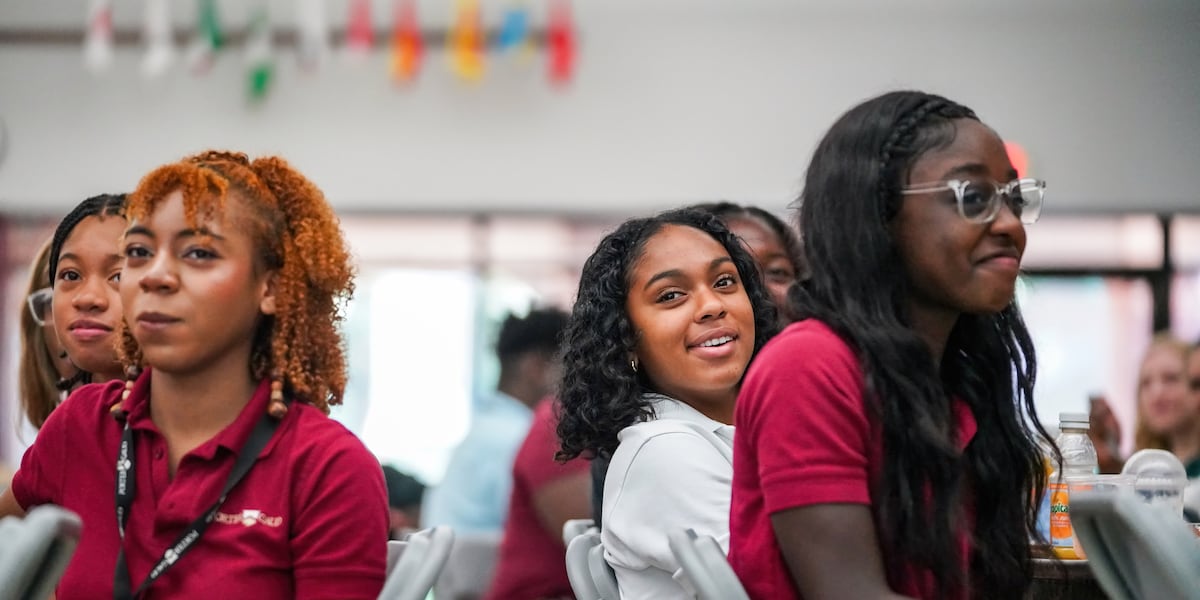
{"x":717,"y":341}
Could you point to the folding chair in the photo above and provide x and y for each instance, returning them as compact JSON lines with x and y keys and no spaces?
{"x":578,"y":567}
{"x":1137,"y":551}
{"x":418,"y":565}
{"x":35,"y":551}
{"x":704,"y":567}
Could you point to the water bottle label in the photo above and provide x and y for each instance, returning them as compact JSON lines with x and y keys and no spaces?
{"x":1061,"y":534}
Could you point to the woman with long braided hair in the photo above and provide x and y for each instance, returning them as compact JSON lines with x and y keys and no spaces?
{"x":886,"y":442}
{"x":230,"y":480}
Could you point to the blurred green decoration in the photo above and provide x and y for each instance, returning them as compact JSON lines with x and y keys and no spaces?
{"x":209,"y":37}
{"x":260,"y":63}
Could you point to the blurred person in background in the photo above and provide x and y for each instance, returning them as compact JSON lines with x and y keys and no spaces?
{"x":85,"y":268}
{"x":775,"y":245}
{"x":545,"y":495}
{"x":1168,"y":413}
{"x":43,"y":361}
{"x":1105,"y":432}
{"x":473,"y":496}
{"x":404,"y":501}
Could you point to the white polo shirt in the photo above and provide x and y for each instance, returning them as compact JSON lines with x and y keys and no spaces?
{"x":668,"y":474}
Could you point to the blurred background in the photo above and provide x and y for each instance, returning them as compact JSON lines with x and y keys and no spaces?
{"x":477,"y":151}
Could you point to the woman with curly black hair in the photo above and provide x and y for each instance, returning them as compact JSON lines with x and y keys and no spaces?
{"x":887,"y":442}
{"x":670,"y":311}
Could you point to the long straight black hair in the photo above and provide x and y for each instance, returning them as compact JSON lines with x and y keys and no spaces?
{"x":857,"y":286}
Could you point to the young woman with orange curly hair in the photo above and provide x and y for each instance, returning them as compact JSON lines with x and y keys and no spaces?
{"x":230,"y":481}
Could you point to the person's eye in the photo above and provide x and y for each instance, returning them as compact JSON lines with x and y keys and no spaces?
{"x":780,"y":274}
{"x":668,"y":296}
{"x":69,"y":275}
{"x":136,"y":252}
{"x":725,"y":281}
{"x":115,"y":277}
{"x":199,"y":254}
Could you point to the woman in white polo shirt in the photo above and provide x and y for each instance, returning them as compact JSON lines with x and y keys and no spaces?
{"x":670,"y":311}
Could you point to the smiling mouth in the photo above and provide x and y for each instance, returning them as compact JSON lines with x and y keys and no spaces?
{"x":721,"y":341}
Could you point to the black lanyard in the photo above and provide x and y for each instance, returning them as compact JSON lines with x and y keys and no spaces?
{"x":127,"y":489}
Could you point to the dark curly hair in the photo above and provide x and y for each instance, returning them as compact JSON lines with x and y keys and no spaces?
{"x":858,"y":287}
{"x":600,"y":394}
{"x":296,"y":234}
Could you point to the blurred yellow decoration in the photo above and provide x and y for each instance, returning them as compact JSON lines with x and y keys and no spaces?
{"x":467,"y":42}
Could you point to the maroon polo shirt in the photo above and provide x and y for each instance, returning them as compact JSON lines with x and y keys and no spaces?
{"x":310,"y":519}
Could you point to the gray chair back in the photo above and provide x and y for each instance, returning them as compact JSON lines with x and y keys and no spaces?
{"x":1137,"y":551}
{"x":35,"y":551}
{"x":704,"y":566}
{"x":418,"y":565}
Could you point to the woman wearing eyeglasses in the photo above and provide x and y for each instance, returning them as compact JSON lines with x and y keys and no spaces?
{"x":886,"y":442}
{"x":43,"y":362}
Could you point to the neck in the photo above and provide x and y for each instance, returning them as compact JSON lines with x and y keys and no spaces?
{"x":190,"y":408}
{"x":718,"y":408}
{"x":525,"y":394}
{"x":1186,"y":443}
{"x":933,"y":326}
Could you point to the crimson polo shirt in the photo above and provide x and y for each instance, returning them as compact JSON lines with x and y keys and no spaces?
{"x":803,"y":438}
{"x":309,"y":520}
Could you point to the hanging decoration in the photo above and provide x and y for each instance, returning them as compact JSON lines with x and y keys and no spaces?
{"x":98,"y":41}
{"x":514,"y":28}
{"x":156,"y":34}
{"x":560,"y":42}
{"x":260,"y":64}
{"x":312,"y":29}
{"x":407,"y":45}
{"x":360,"y":35}
{"x":202,"y":52}
{"x":466,"y":42}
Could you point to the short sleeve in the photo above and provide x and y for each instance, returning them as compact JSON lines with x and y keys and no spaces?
{"x":534,"y":463}
{"x":671,"y":481}
{"x":42,"y":473}
{"x":339,"y":543}
{"x":801,"y":408}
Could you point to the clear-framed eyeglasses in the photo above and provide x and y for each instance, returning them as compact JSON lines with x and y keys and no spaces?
{"x":39,"y":304}
{"x":980,"y":201}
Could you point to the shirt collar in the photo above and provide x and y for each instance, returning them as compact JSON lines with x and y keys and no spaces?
{"x":666,"y":407}
{"x":232,"y":438}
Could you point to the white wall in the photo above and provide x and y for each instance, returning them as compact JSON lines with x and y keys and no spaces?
{"x":673,"y":102}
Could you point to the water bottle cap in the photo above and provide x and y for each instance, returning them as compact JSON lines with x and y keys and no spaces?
{"x":1073,"y":420}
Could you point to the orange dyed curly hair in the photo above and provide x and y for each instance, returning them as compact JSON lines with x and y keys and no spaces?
{"x":298,"y":236}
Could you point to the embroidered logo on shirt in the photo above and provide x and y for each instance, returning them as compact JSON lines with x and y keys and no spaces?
{"x":248,"y":518}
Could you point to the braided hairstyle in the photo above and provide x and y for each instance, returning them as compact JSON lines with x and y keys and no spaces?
{"x":600,"y":394}
{"x":102,"y":205}
{"x":858,"y":287}
{"x":298,"y":236}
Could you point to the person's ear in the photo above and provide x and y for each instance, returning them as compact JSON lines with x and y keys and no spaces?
{"x":266,"y":302}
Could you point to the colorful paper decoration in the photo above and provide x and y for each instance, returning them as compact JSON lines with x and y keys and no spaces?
{"x":514,"y":28}
{"x":466,"y":42}
{"x":560,"y":42}
{"x":360,"y":35}
{"x":97,"y":42}
{"x":407,"y":45}
{"x":260,"y":64}
{"x":209,"y":38}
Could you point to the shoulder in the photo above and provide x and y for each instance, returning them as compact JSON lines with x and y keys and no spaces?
{"x":809,"y":339}
{"x":88,"y":407}
{"x":314,"y":435}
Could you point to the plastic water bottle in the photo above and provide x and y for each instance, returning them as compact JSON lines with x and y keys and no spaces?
{"x":1078,"y":462}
